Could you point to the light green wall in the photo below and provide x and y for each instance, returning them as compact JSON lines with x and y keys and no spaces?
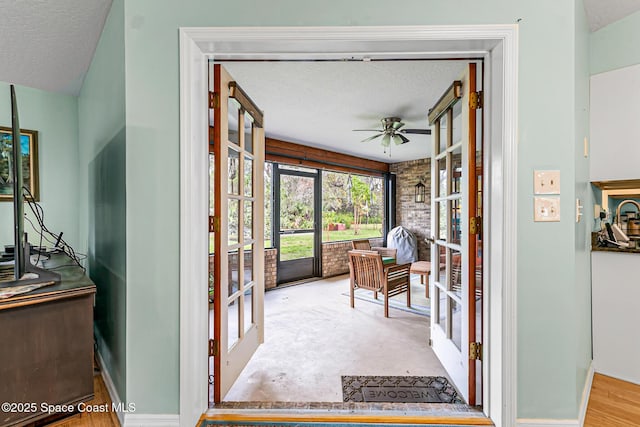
{"x":55,"y":117}
{"x":547,"y":284}
{"x":102,"y":136}
{"x":616,"y":45}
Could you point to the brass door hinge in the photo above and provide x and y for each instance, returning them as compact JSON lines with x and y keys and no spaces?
{"x":475,"y":351}
{"x":214,"y":100}
{"x":475,"y":100}
{"x":213,"y":348}
{"x":214,"y":224}
{"x":475,"y":223}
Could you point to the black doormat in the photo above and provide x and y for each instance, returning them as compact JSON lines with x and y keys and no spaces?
{"x":398,"y":389}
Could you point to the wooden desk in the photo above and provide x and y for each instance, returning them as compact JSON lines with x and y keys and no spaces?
{"x":46,"y":345}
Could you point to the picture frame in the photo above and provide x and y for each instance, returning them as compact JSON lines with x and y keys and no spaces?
{"x":30,"y":170}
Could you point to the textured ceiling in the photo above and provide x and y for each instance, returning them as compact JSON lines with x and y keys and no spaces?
{"x":320,"y":103}
{"x":601,"y":13}
{"x":49,"y":44}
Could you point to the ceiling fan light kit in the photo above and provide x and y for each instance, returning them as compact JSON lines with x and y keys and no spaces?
{"x":392,"y":129}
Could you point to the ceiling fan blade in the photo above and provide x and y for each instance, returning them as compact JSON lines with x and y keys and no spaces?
{"x":372,"y":137}
{"x":416,"y":131}
{"x":401,"y":137}
{"x":366,"y":130}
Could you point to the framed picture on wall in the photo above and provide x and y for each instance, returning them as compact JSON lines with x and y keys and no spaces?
{"x":29,"y":149}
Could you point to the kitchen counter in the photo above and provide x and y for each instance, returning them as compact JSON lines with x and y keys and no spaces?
{"x":596,"y":248}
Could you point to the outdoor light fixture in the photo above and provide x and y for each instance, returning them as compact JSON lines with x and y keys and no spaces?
{"x":420,"y":192}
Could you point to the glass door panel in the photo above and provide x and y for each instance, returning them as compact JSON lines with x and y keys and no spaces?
{"x":457,"y":248}
{"x":297,"y":222}
{"x":238,"y":270}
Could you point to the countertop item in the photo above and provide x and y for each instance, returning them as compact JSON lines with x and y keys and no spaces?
{"x":596,"y":248}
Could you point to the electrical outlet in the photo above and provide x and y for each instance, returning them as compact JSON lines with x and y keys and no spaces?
{"x":546,"y":182}
{"x":546,"y":209}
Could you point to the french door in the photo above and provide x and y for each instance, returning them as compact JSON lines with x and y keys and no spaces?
{"x":237,"y":223}
{"x":456,"y":247}
{"x":297,"y":220}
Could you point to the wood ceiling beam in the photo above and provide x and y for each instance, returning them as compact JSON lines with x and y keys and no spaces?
{"x":296,"y":154}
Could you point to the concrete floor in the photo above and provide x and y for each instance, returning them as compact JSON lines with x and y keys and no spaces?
{"x":313,"y":336}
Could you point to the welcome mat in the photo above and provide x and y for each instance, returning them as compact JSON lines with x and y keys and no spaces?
{"x":398,"y":389}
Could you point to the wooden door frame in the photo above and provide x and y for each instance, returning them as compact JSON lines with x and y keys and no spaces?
{"x":500,"y":52}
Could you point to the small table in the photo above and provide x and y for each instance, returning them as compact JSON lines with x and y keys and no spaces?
{"x":423,"y":268}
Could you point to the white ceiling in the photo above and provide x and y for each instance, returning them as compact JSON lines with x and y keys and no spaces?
{"x":319,"y":103}
{"x":601,"y":13}
{"x":49,"y":44}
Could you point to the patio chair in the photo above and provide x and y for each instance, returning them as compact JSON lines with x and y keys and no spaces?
{"x":367,"y":272}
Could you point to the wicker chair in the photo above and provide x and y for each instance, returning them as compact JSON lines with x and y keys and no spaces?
{"x":367,"y":272}
{"x":365,"y":245}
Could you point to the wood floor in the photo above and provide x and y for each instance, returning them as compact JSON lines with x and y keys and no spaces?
{"x":88,"y":419}
{"x":613,"y":403}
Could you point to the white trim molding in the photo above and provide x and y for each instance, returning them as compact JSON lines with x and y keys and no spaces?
{"x":499,"y":43}
{"x":586,"y":393}
{"x":152,"y":420}
{"x":526,"y":422}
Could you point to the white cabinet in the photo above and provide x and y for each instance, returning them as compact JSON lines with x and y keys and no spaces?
{"x":616,"y":314}
{"x":615,"y":127}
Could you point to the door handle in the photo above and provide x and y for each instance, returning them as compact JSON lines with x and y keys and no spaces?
{"x":430,"y":240}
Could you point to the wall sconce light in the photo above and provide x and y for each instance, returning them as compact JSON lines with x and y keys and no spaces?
{"x":420,"y":192}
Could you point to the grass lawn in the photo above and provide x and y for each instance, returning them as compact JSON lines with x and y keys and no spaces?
{"x":294,"y":246}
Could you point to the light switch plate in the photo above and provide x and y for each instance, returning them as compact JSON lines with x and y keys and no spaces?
{"x":546,"y":182}
{"x":546,"y":209}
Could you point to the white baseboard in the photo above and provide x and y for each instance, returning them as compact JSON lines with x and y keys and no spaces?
{"x":539,"y":422}
{"x":151,"y":420}
{"x":586,"y":391}
{"x":111,"y":388}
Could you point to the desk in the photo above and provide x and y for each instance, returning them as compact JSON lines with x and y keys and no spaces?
{"x":47,"y":344}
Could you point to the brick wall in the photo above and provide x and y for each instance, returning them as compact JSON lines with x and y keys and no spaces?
{"x":414,"y":216}
{"x":270,"y":268}
{"x":334,"y":257}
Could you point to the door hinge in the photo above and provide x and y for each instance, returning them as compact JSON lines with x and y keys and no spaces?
{"x":475,"y":223}
{"x":214,"y":100}
{"x":213,"y":348}
{"x":475,"y":100}
{"x":214,"y":224}
{"x":475,"y":351}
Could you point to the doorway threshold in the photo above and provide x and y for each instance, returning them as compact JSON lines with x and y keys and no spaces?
{"x":440,"y":414}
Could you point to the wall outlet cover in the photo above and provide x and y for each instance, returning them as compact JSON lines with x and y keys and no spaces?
{"x":546,"y":182}
{"x":546,"y":209}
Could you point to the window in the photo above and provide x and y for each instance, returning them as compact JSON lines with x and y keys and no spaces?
{"x":352,"y":206}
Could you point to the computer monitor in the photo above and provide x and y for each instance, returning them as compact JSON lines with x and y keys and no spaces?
{"x":18,"y":199}
{"x":22,"y":249}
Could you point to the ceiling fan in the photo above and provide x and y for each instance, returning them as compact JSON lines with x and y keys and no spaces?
{"x":392,"y":130}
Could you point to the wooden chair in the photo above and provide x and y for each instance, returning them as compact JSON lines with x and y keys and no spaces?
{"x":365,"y":245}
{"x":367,"y":272}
